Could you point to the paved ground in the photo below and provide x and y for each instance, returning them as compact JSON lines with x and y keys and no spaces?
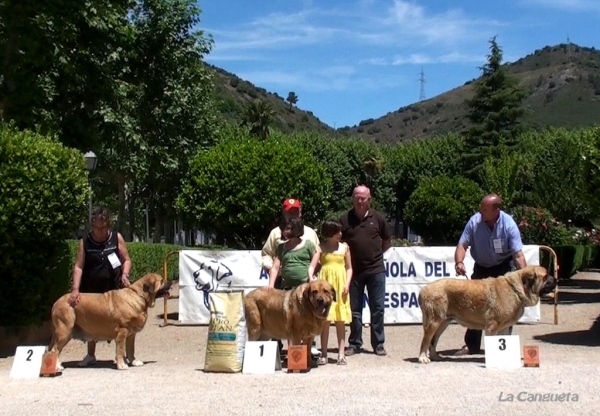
{"x":172,"y":381}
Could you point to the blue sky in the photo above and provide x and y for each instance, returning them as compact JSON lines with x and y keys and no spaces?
{"x":350,"y":60}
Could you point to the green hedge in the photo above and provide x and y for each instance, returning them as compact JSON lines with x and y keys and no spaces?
{"x":574,"y":258}
{"x":145,"y":258}
{"x":43,"y":194}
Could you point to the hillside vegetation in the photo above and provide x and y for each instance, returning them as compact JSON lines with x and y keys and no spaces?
{"x":563,"y":90}
{"x":233,"y":94}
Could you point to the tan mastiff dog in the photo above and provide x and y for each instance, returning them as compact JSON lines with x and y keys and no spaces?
{"x":115,"y":315}
{"x":491,"y":304}
{"x":297,"y":315}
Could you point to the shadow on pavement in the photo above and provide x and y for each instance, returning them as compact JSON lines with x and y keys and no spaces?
{"x":587,"y":338}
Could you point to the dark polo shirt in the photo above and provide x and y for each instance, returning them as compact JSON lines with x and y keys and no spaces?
{"x":364,"y":237}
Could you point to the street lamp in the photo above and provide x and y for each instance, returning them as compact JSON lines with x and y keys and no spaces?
{"x":91,"y":160}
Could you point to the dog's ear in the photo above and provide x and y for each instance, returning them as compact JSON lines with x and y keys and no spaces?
{"x":529,"y":279}
{"x":148,"y":287}
{"x":333,"y":294}
{"x":306,"y":294}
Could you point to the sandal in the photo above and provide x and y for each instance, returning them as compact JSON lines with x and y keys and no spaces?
{"x":342,"y":360}
{"x":322,"y":361}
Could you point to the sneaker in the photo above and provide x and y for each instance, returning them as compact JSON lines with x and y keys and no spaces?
{"x":380,"y":350}
{"x":351,"y":351}
{"x":87,"y":360}
{"x":315,"y":352}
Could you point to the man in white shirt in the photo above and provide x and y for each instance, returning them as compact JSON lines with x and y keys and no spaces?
{"x":291,"y":208}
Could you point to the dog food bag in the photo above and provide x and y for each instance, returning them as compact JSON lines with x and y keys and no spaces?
{"x":226,"y":333}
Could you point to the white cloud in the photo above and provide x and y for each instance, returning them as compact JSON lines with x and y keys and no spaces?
{"x":423,"y":59}
{"x":567,"y":5}
{"x":334,"y":78}
{"x":407,"y":23}
{"x":369,"y":22}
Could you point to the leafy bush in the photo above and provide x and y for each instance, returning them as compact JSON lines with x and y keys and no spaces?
{"x":440,"y":207}
{"x":145,"y":258}
{"x":43,"y":194}
{"x":556,"y":170}
{"x":538,"y":226}
{"x":333,"y":160}
{"x":235,"y":189}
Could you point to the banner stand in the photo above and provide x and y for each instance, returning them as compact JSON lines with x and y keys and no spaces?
{"x":552,"y":269}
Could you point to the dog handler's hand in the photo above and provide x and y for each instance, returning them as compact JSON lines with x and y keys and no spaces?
{"x":346,"y":290}
{"x":74,"y":298}
{"x":125,"y":280}
{"x":460,"y":269}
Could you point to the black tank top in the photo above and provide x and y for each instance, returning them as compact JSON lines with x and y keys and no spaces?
{"x":97,"y":264}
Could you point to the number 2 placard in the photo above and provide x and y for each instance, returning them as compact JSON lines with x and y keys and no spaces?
{"x":27,"y":362}
{"x":502,"y":351}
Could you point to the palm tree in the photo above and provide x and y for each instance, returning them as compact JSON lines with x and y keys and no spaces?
{"x":257,"y":116}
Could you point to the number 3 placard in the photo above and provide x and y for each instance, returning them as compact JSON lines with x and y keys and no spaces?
{"x":27,"y":362}
{"x":502,"y":351}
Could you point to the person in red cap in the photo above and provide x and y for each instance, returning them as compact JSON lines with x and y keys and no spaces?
{"x":292,"y":207}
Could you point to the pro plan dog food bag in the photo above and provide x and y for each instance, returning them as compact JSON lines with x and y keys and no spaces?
{"x":226,"y":333}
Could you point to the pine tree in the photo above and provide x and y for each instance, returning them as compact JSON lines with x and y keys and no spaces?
{"x":494,"y":111}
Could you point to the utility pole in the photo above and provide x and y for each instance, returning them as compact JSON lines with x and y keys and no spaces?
{"x":422,"y":81}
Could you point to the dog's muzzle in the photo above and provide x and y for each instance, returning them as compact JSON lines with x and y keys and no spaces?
{"x":164,"y":290}
{"x":549,"y":285}
{"x":323,"y":307}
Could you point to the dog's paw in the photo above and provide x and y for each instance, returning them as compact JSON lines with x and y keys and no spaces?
{"x":434,"y":356}
{"x":137,"y":363}
{"x":424,"y":359}
{"x":122,"y":366}
{"x":59,"y":368}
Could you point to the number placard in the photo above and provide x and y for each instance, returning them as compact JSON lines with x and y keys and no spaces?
{"x":502,"y":351}
{"x":261,"y":357}
{"x":27,"y":362}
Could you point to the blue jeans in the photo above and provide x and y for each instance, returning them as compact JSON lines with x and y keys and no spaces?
{"x":375,"y":285}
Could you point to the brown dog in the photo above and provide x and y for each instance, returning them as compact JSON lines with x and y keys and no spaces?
{"x":115,"y":315}
{"x":297,"y":315}
{"x":492,"y":304}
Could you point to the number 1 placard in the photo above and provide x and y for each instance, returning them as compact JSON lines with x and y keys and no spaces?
{"x":260,"y":357}
{"x":27,"y":362}
{"x":502,"y":351}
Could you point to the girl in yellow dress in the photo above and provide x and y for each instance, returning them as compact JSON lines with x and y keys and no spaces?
{"x":336,"y":268}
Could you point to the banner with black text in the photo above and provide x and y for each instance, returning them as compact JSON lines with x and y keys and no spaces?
{"x":408,"y":269}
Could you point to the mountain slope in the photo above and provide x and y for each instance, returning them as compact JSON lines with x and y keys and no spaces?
{"x":563,"y":85}
{"x":233,"y":94}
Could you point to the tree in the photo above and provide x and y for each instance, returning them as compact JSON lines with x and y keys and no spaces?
{"x":174,"y":113}
{"x":257,"y":117}
{"x":334,"y":161}
{"x":414,"y":161}
{"x":292,"y":98}
{"x":235,"y":189}
{"x":440,"y":207}
{"x":61,"y":65}
{"x":494,"y":111}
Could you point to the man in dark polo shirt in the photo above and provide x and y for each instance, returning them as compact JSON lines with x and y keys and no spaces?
{"x":368,"y":235}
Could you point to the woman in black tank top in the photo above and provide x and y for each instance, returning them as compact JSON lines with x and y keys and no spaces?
{"x":102,"y":264}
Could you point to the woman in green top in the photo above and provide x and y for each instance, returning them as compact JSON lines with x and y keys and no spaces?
{"x":293,"y":256}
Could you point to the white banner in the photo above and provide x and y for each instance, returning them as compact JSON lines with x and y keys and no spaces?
{"x":407,"y":270}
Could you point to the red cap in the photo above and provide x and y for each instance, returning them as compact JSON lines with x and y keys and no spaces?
{"x":291,"y":203}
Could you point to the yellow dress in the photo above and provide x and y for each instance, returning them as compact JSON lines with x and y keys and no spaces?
{"x":333,"y":269}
